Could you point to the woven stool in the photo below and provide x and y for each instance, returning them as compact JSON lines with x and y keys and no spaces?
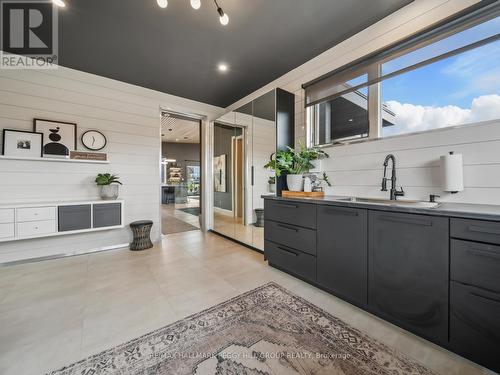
{"x":141,"y":231}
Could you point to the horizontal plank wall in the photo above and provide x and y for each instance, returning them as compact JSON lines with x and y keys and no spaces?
{"x":356,"y":169}
{"x":128,"y":115}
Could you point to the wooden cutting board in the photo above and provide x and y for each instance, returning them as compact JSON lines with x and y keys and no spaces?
{"x":303,"y":194}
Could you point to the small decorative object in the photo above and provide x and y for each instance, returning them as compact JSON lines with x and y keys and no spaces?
{"x":109,"y":185}
{"x":307,"y":185}
{"x":295,"y":164}
{"x":59,"y":137}
{"x":220,"y":173}
{"x":82,"y":155}
{"x":272,"y":184}
{"x":22,"y":144}
{"x":94,"y":140}
{"x":141,"y":231}
{"x":316,"y":182}
{"x":259,"y":217}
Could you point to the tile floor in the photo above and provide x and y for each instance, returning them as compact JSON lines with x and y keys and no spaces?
{"x":56,"y":312}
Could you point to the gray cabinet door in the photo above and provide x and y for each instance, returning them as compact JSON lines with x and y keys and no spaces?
{"x":475,"y":324}
{"x":107,"y":215}
{"x":408,"y":260}
{"x":342,"y":252}
{"x":74,"y":217}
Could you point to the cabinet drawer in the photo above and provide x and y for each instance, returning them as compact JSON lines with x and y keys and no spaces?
{"x":296,"y":262}
{"x":291,"y":235}
{"x":76,"y":217}
{"x":36,"y":228}
{"x":6,"y":230}
{"x":476,"y":230}
{"x":6,"y":215}
{"x":290,"y":212}
{"x":475,"y":324}
{"x":36,"y":214}
{"x":475,"y":264}
{"x":107,"y":215}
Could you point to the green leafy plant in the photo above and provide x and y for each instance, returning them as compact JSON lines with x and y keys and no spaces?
{"x":294,"y":162}
{"x":271,"y":180}
{"x":325,"y":178}
{"x":107,"y":179}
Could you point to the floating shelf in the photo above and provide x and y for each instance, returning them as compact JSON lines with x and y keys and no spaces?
{"x":2,"y":157}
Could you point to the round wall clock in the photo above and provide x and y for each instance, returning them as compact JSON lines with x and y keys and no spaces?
{"x":94,"y":140}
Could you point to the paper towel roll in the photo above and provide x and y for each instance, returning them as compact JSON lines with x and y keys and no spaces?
{"x":452,"y":172}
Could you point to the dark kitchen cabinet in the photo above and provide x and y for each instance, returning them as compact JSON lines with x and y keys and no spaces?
{"x":475,"y":324}
{"x":408,"y":261}
{"x":342,"y":246}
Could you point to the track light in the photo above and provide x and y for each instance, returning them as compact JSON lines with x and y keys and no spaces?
{"x":59,"y":3}
{"x":162,"y":3}
{"x":196,"y":4}
{"x":224,"y":18}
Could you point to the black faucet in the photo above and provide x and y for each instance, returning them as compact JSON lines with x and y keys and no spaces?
{"x":394,"y":192}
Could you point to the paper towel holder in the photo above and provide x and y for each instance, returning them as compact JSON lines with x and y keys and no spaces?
{"x":456,"y":183}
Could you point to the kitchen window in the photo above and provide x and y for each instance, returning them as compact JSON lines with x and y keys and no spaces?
{"x":446,"y":76}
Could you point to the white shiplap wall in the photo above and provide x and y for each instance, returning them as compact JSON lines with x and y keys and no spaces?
{"x":128,"y":115}
{"x":356,"y":169}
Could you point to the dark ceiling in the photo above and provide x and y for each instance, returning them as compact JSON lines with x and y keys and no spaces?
{"x":176,"y":50}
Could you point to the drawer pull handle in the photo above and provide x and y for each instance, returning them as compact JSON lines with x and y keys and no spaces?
{"x":288,"y":205}
{"x":341,"y":212}
{"x":288,"y":228}
{"x":475,"y":228}
{"x":484,"y":297}
{"x":425,"y":223}
{"x":287,"y":251}
{"x":483,"y":253}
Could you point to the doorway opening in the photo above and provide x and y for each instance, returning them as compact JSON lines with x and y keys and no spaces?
{"x":180,"y":173}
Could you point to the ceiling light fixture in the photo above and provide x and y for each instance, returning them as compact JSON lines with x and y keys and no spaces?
{"x":162,"y":3}
{"x":196,"y":4}
{"x":59,"y":3}
{"x":222,"y":67}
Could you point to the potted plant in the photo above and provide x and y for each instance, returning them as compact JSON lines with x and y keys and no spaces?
{"x":108,"y":185}
{"x":294,"y":164}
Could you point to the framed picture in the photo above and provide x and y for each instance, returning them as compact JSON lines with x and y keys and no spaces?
{"x":220,"y":173}
{"x":22,"y":143}
{"x":59,"y":137}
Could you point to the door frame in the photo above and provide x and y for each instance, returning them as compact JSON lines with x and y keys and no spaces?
{"x":210,"y":183}
{"x":234,"y":164}
{"x":204,"y":125}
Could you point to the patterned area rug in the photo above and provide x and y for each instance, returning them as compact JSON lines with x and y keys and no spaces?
{"x":265,"y":331}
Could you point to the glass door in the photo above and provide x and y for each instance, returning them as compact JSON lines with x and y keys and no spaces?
{"x":263,"y":145}
{"x":228,"y":169}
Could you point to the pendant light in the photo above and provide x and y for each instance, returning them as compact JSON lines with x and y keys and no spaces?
{"x":223,"y":17}
{"x":162,"y":3}
{"x":196,"y":4}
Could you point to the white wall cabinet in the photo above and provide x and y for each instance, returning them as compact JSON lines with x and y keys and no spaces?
{"x":25,"y":221}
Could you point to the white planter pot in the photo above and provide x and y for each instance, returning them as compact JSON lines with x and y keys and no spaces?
{"x":294,"y":182}
{"x":272,"y":188}
{"x":109,"y":192}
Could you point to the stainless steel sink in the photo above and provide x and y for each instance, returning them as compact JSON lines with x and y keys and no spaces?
{"x":388,"y":202}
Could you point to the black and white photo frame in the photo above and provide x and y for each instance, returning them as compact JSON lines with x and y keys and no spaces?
{"x":22,"y":144}
{"x":59,"y":137}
